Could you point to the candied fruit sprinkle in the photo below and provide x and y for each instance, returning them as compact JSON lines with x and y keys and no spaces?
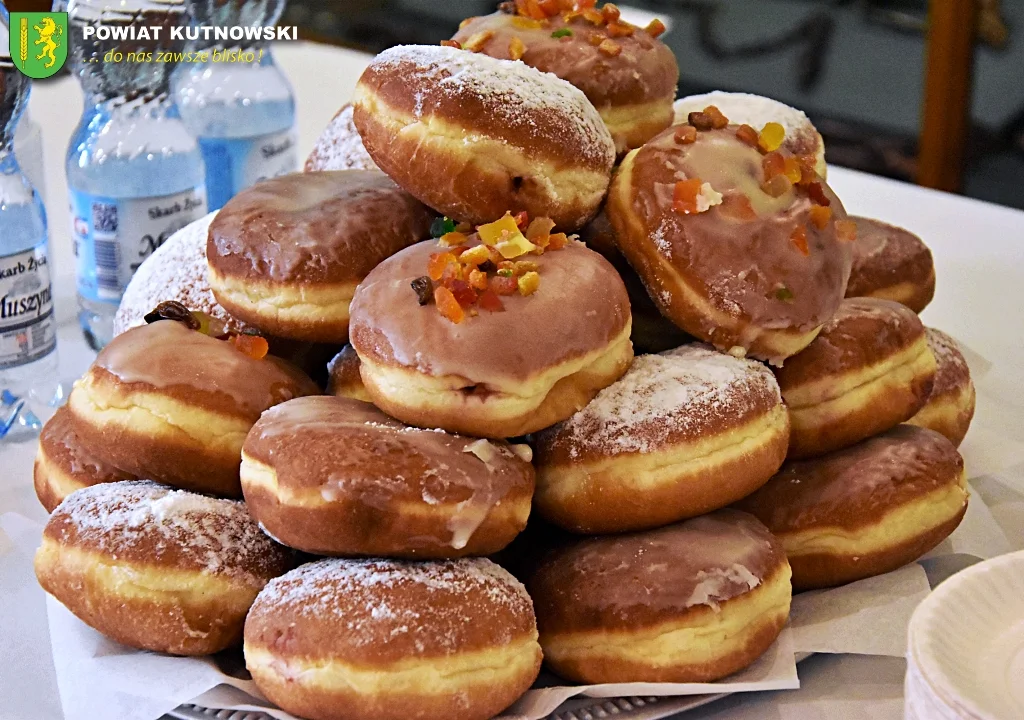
{"x":424,"y":289}
{"x":738,"y":207}
{"x":521,"y":267}
{"x":448,"y":306}
{"x":700,"y":120}
{"x":504,"y":285}
{"x":747,"y":135}
{"x":592,"y":16}
{"x":820,"y":215}
{"x":438,"y":262}
{"x":791,"y":169}
{"x":476,"y":41}
{"x":619,"y":29}
{"x":817,"y":194}
{"x":453,"y":271}
{"x":685,"y":134}
{"x":254,"y":346}
{"x":609,"y":47}
{"x":783,"y":293}
{"x":655,"y":28}
{"x":540,"y":230}
{"x":799,"y":239}
{"x":442,"y":226}
{"x":463,"y":293}
{"x":776,"y":186}
{"x":452,"y":239}
{"x":530,"y":9}
{"x":525,"y":23}
{"x":528,"y":283}
{"x":684,"y":196}
{"x":452,"y":44}
{"x":771,"y":137}
{"x":562,"y":33}
{"x":773,"y":164}
{"x":610,"y":12}
{"x":490,"y":301}
{"x":478,"y":280}
{"x":718,"y":120}
{"x":846,"y":230}
{"x":557,"y":241}
{"x":516,"y":48}
{"x":596,"y":39}
{"x":475,"y":256}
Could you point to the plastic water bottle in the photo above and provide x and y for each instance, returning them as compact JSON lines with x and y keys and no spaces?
{"x":135,"y":173}
{"x":28,"y":328}
{"x":243,"y":112}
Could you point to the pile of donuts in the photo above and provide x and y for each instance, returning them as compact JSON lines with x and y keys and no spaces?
{"x":532,"y":363}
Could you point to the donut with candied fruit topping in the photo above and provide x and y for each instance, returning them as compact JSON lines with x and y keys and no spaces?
{"x":891,"y":263}
{"x":157,"y":568}
{"x":625,"y":71}
{"x":286,"y":254}
{"x":680,"y":434}
{"x":168,"y":403}
{"x":801,"y":139}
{"x":65,"y":464}
{"x":393,"y":640}
{"x":689,"y":602}
{"x":472,"y":136}
{"x":336,"y":476}
{"x":866,"y":509}
{"x":738,"y":241}
{"x":950,"y":404}
{"x":497,"y":334}
{"x":869,"y":369}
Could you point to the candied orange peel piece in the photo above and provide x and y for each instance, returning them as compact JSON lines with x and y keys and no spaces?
{"x":609,"y":47}
{"x":528,"y":283}
{"x":820,"y":215}
{"x":516,"y":48}
{"x":447,"y":305}
{"x":254,"y":346}
{"x":438,"y":262}
{"x":747,"y":135}
{"x":452,"y":44}
{"x":846,"y":230}
{"x":655,"y":28}
{"x":799,"y":239}
{"x":771,"y":137}
{"x":685,"y":134}
{"x":504,"y":234}
{"x":684,"y":196}
{"x":476,"y":41}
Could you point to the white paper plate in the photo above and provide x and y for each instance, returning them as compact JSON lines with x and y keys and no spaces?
{"x":966,"y":644}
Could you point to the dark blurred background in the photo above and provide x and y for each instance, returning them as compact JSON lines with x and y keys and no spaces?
{"x":921,"y":90}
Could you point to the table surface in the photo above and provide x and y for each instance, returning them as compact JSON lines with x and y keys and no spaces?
{"x":979,"y":258}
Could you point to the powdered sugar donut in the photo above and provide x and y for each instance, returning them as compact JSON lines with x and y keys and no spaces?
{"x":339,"y":146}
{"x":156,"y":568}
{"x":177,"y":270}
{"x":393,"y":640}
{"x":950,"y":404}
{"x":802,"y":138}
{"x":681,"y":433}
{"x":474,"y":137}
{"x":690,"y":602}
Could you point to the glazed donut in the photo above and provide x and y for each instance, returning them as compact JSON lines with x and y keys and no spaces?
{"x":286,"y":254}
{"x":175,"y":271}
{"x":64,"y":464}
{"x":950,"y":404}
{"x":626,"y":72}
{"x":868,"y":369}
{"x":802,"y":138}
{"x":472,"y":136}
{"x":393,"y":640}
{"x":494,"y":374}
{"x":168,"y":403}
{"x":723,"y":258}
{"x":343,"y":376}
{"x":155,"y":568}
{"x":690,"y":602}
{"x":335,"y":476}
{"x":339,"y":146}
{"x":680,"y":434}
{"x":866,"y":509}
{"x":651,"y":331}
{"x":891,"y":263}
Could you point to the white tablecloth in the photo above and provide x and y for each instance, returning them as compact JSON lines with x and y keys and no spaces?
{"x":979,"y":257}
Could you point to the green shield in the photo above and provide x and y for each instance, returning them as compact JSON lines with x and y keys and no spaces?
{"x":39,"y":42}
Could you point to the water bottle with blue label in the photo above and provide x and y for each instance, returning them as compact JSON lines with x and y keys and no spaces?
{"x":28,"y":329}
{"x":135,"y":172}
{"x":242,"y":110}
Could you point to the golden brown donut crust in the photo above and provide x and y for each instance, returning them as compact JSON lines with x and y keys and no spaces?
{"x":333,"y":618}
{"x":950,"y":405}
{"x":691,"y":572}
{"x":867,"y":370}
{"x":335,"y":476}
{"x":205,"y":559}
{"x":891,"y":263}
{"x":474,"y":137}
{"x":64,"y":464}
{"x":855,"y":490}
{"x":680,"y":434}
{"x":730,"y":282}
{"x":643,"y":74}
{"x":192,"y":392}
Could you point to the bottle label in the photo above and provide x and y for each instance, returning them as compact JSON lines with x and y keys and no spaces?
{"x":114,"y":236}
{"x":233,"y":164}
{"x":28,"y":329}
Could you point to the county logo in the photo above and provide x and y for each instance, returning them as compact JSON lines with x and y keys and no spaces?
{"x":39,"y":45}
